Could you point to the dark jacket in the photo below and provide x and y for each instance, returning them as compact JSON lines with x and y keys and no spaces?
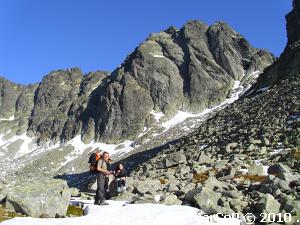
{"x":120,"y":173}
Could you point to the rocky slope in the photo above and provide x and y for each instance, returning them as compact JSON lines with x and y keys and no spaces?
{"x":243,"y":159}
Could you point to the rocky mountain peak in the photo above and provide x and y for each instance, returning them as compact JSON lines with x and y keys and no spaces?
{"x":293,"y":24}
{"x":188,"y":69}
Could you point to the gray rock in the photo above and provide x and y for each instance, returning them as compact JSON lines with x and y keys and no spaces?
{"x":147,"y":186}
{"x":268,"y":204}
{"x":207,"y":200}
{"x":74,"y":192}
{"x":37,"y":197}
{"x":170,"y":199}
{"x":174,"y":159}
{"x":203,"y":158}
{"x":278,"y":168}
{"x":256,"y":170}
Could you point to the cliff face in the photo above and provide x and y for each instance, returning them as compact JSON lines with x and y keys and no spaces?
{"x":189,"y":69}
{"x":288,"y":63}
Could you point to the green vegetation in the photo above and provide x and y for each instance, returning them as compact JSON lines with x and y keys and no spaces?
{"x":74,"y":211}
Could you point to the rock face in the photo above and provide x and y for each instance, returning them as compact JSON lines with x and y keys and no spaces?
{"x":189,"y":69}
{"x":39,"y":198}
{"x":288,"y":64}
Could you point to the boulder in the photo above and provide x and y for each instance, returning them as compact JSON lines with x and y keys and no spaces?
{"x":278,"y":168}
{"x":207,"y":200}
{"x":174,"y":159}
{"x":227,"y":173}
{"x":256,"y":170}
{"x":39,"y":197}
{"x":268,"y":204}
{"x":170,"y":199}
{"x":147,"y":186}
{"x":203,"y":158}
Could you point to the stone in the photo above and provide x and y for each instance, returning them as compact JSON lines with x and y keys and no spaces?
{"x":37,"y":197}
{"x":147,"y":186}
{"x":268,"y":204}
{"x":278,"y":168}
{"x":74,"y":192}
{"x":256,"y":170}
{"x":174,"y":159}
{"x":227,"y":173}
{"x":170,"y":199}
{"x":207,"y":200}
{"x":203,"y":158}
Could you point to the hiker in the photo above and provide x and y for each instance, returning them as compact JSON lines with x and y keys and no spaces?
{"x":108,"y":179}
{"x":120,"y":178}
{"x":102,"y":172}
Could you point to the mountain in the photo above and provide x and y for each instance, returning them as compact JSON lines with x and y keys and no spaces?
{"x":190,"y":69}
{"x":169,"y":76}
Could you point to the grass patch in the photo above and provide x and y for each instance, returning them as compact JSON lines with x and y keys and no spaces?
{"x":162,"y":181}
{"x":296,"y":154}
{"x":202,"y":177}
{"x":74,"y":211}
{"x":253,"y":178}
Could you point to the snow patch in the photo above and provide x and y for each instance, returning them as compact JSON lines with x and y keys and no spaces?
{"x":157,"y":115}
{"x":157,"y":55}
{"x":11,"y":118}
{"x":142,"y":214}
{"x":255,"y":74}
{"x":266,"y":170}
{"x":80,"y":147}
{"x":237,"y":90}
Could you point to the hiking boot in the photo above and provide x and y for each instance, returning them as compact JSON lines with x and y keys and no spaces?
{"x":97,"y":203}
{"x":103,"y":203}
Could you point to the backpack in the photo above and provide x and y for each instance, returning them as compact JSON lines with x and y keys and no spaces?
{"x":93,"y":159}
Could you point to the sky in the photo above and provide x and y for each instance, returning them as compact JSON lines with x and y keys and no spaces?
{"x":38,"y":36}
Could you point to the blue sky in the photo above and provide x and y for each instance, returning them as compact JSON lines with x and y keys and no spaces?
{"x":38,"y":36}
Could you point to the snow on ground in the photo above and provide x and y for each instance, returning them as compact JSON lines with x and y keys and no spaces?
{"x":8,"y":119}
{"x":266,"y":170}
{"x":139,"y":214}
{"x":25,"y":148}
{"x":178,"y":118}
{"x":157,"y":55}
{"x":80,"y":147}
{"x":157,"y":115}
{"x":237,"y":90}
{"x":255,"y":74}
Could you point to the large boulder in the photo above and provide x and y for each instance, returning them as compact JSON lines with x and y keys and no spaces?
{"x":149,"y":186}
{"x":207,"y":200}
{"x":268,"y":204}
{"x":38,"y":198}
{"x":174,"y":159}
{"x":278,"y":168}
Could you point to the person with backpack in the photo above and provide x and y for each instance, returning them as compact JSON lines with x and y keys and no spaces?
{"x":120,"y":178}
{"x":102,"y":172}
